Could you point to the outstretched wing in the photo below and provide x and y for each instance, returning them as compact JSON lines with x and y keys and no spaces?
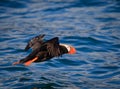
{"x":52,"y":47}
{"x":35,"y":42}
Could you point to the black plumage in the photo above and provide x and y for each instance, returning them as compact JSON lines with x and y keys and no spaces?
{"x":44,"y":50}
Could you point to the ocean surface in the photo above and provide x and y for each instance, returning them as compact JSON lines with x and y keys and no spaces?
{"x":91,"y":26}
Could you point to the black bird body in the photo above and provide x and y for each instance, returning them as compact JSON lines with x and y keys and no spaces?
{"x":44,"y":50}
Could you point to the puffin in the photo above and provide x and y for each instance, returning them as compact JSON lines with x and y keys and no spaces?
{"x":44,"y":50}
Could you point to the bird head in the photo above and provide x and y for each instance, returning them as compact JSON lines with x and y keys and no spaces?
{"x":70,"y":49}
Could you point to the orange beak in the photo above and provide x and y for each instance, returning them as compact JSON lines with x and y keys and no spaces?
{"x":72,"y":50}
{"x":30,"y":61}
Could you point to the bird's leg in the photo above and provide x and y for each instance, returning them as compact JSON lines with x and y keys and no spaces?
{"x":30,"y":61}
{"x":15,"y":63}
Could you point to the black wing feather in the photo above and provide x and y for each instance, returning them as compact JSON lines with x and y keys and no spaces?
{"x":35,"y":42}
{"x":52,"y":46}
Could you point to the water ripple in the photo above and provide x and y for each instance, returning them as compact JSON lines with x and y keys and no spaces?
{"x":91,"y":26}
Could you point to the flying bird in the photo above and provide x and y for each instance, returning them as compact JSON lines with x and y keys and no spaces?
{"x":45,"y":50}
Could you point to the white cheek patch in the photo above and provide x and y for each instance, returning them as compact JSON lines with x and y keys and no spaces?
{"x":67,"y":46}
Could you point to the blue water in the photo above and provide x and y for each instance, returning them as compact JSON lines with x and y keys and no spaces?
{"x":91,"y":26}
